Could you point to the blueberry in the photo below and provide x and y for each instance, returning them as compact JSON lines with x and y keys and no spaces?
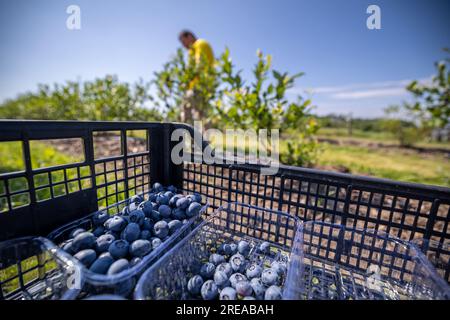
{"x":103,"y":242}
{"x":225,"y":267}
{"x":137,"y":216}
{"x":115,"y":234}
{"x":164,"y":211}
{"x":131,"y":232}
{"x":157,"y":187}
{"x":125,"y":211}
{"x":269,"y":277}
{"x":116,"y":224}
{"x":152,"y":196}
{"x":243,"y":248}
{"x":258,"y":288}
{"x":179,"y":214}
{"x":98,"y":231}
{"x":233,"y":247}
{"x":221,"y":279}
{"x":118,"y":249}
{"x":228,"y":293}
{"x":174,"y":225}
{"x":207,"y":270}
{"x":145,"y":235}
{"x":226,"y":249}
{"x":235,"y":278}
{"x":172,"y":189}
{"x":174,"y":199}
{"x":193,"y":209}
{"x":102,"y":264}
{"x":133,"y":206}
{"x":237,"y":263}
{"x":209,"y":290}
{"x":216,"y":259}
{"x":134,"y":261}
{"x":279,"y":267}
{"x":168,"y":194}
{"x":156,"y":216}
{"x":156,"y":242}
{"x":197,"y":197}
{"x":195,"y":285}
{"x":67,"y":246}
{"x":86,"y":256}
{"x":183,"y":203}
{"x":136,"y":199}
{"x":76,"y":232}
{"x":162,"y":199}
{"x":140,"y":248}
{"x":84,"y":240}
{"x":147,"y":208}
{"x":118,"y":266}
{"x":161,"y":229}
{"x":273,"y":293}
{"x":253,"y":271}
{"x":249,"y":298}
{"x":147,"y":225}
{"x":264,"y":247}
{"x":105,"y":297}
{"x":99,"y":218}
{"x":243,"y":288}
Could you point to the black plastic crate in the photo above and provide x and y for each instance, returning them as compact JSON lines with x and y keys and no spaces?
{"x":404,"y":210}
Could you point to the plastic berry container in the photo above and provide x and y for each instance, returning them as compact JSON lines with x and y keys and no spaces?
{"x":33,"y":268}
{"x":121,"y":283}
{"x":168,"y":278}
{"x":438,"y":254}
{"x":340,"y":263}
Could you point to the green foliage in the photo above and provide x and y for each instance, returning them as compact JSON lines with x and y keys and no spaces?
{"x":230,"y":102}
{"x":432,"y":105}
{"x":178,"y":77}
{"x":102,"y":99}
{"x":406,"y":132}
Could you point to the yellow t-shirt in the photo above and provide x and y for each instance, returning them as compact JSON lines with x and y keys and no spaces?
{"x":201,"y":47}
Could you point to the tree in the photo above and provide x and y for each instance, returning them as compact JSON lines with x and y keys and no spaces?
{"x":432,"y":101}
{"x":102,"y":99}
{"x":231,"y":102}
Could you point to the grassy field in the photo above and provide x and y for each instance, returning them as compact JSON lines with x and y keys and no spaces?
{"x":387,"y":163}
{"x":391,"y":162}
{"x":371,"y":137}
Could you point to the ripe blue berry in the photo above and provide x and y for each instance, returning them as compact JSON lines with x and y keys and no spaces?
{"x":228,"y":293}
{"x":195,"y":285}
{"x":209,"y":290}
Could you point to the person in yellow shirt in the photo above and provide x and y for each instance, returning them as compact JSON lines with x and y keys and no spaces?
{"x":193,"y":106}
{"x":197,"y":47}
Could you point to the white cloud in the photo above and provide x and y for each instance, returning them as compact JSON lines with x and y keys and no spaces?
{"x":374,"y":93}
{"x":361,"y":90}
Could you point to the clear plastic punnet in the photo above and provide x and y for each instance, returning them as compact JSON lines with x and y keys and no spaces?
{"x":438,"y":253}
{"x":35,"y":269}
{"x":340,"y":263}
{"x":168,"y":278}
{"x":121,"y":283}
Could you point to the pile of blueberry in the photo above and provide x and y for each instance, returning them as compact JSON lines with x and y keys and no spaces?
{"x":116,"y":243}
{"x":230,"y":274}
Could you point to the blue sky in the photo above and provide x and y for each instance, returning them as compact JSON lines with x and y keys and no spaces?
{"x":348,"y":67}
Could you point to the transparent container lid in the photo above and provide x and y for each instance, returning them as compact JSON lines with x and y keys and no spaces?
{"x":347,"y":263}
{"x":36,"y":269}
